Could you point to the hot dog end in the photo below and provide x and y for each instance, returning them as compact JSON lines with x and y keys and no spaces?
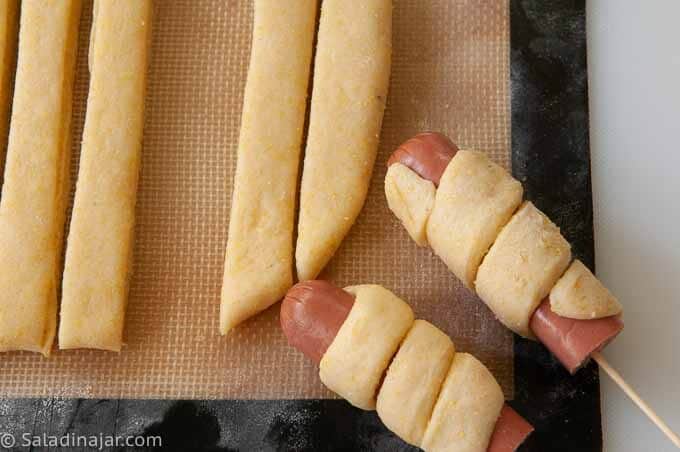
{"x":311,"y":316}
{"x":428,"y":154}
{"x":572,"y":341}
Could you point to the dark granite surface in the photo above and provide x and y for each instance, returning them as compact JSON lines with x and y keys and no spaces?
{"x":551,"y":156}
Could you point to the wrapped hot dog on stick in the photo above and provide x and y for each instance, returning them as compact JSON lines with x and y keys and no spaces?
{"x":372,"y":352}
{"x":505,"y":250}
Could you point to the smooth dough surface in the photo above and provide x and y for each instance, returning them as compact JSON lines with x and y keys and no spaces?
{"x":410,"y":198}
{"x":578,"y":294}
{"x":466,"y":411}
{"x":33,"y":206}
{"x":8,"y":50}
{"x":358,"y":356}
{"x":351,"y":77}
{"x":521,"y":267}
{"x":474,"y":200}
{"x":100,"y":241}
{"x":258,"y":266}
{"x":413,"y":380}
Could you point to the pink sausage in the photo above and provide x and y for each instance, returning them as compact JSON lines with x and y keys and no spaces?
{"x":311,"y":316}
{"x":573,"y":341}
{"x":510,"y":432}
{"x":428,"y":154}
{"x":312,"y":313}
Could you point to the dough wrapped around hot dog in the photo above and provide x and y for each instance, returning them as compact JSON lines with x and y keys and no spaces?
{"x":411,"y":198}
{"x":524,"y":263}
{"x":413,"y":381}
{"x":580,"y":295}
{"x":467,"y":408}
{"x":316,"y":316}
{"x":475,"y":199}
{"x":525,"y":260}
{"x":361,"y":351}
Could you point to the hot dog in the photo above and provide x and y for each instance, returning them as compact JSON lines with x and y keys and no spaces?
{"x":313,"y":314}
{"x":572,"y":341}
{"x":428,"y":154}
{"x":525,"y":244}
{"x":311,"y":327}
{"x":511,"y":430}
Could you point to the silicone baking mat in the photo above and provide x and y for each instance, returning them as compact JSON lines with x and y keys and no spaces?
{"x":450,"y":73}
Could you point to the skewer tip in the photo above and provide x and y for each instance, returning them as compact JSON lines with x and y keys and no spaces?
{"x":635,"y":398}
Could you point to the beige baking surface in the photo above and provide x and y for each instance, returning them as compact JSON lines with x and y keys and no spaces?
{"x":450,"y":73}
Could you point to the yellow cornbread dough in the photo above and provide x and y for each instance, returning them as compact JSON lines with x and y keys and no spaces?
{"x":423,"y":391}
{"x":99,"y":249}
{"x":580,"y":295}
{"x":410,"y":198}
{"x":8,"y":50}
{"x":467,"y":409}
{"x":33,"y":205}
{"x":351,"y":77}
{"x":474,"y":200}
{"x":258,"y":267}
{"x":355,"y":361}
{"x":521,"y":267}
{"x":413,"y":381}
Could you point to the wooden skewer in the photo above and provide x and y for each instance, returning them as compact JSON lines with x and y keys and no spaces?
{"x":635,"y":397}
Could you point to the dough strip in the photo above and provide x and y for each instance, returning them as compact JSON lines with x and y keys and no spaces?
{"x":258,"y":266}
{"x":8,"y":53}
{"x":351,"y":78}
{"x":34,"y":194}
{"x":100,"y":241}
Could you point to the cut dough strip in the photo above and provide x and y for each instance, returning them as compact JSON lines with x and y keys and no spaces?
{"x":8,"y":52}
{"x":99,"y":251}
{"x":32,"y":211}
{"x":351,"y":77}
{"x":259,"y":261}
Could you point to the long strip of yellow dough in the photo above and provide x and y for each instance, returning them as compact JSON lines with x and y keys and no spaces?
{"x":351,"y":77}
{"x":8,"y":51}
{"x":34,"y":193}
{"x":259,"y":262}
{"x":100,"y":242}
